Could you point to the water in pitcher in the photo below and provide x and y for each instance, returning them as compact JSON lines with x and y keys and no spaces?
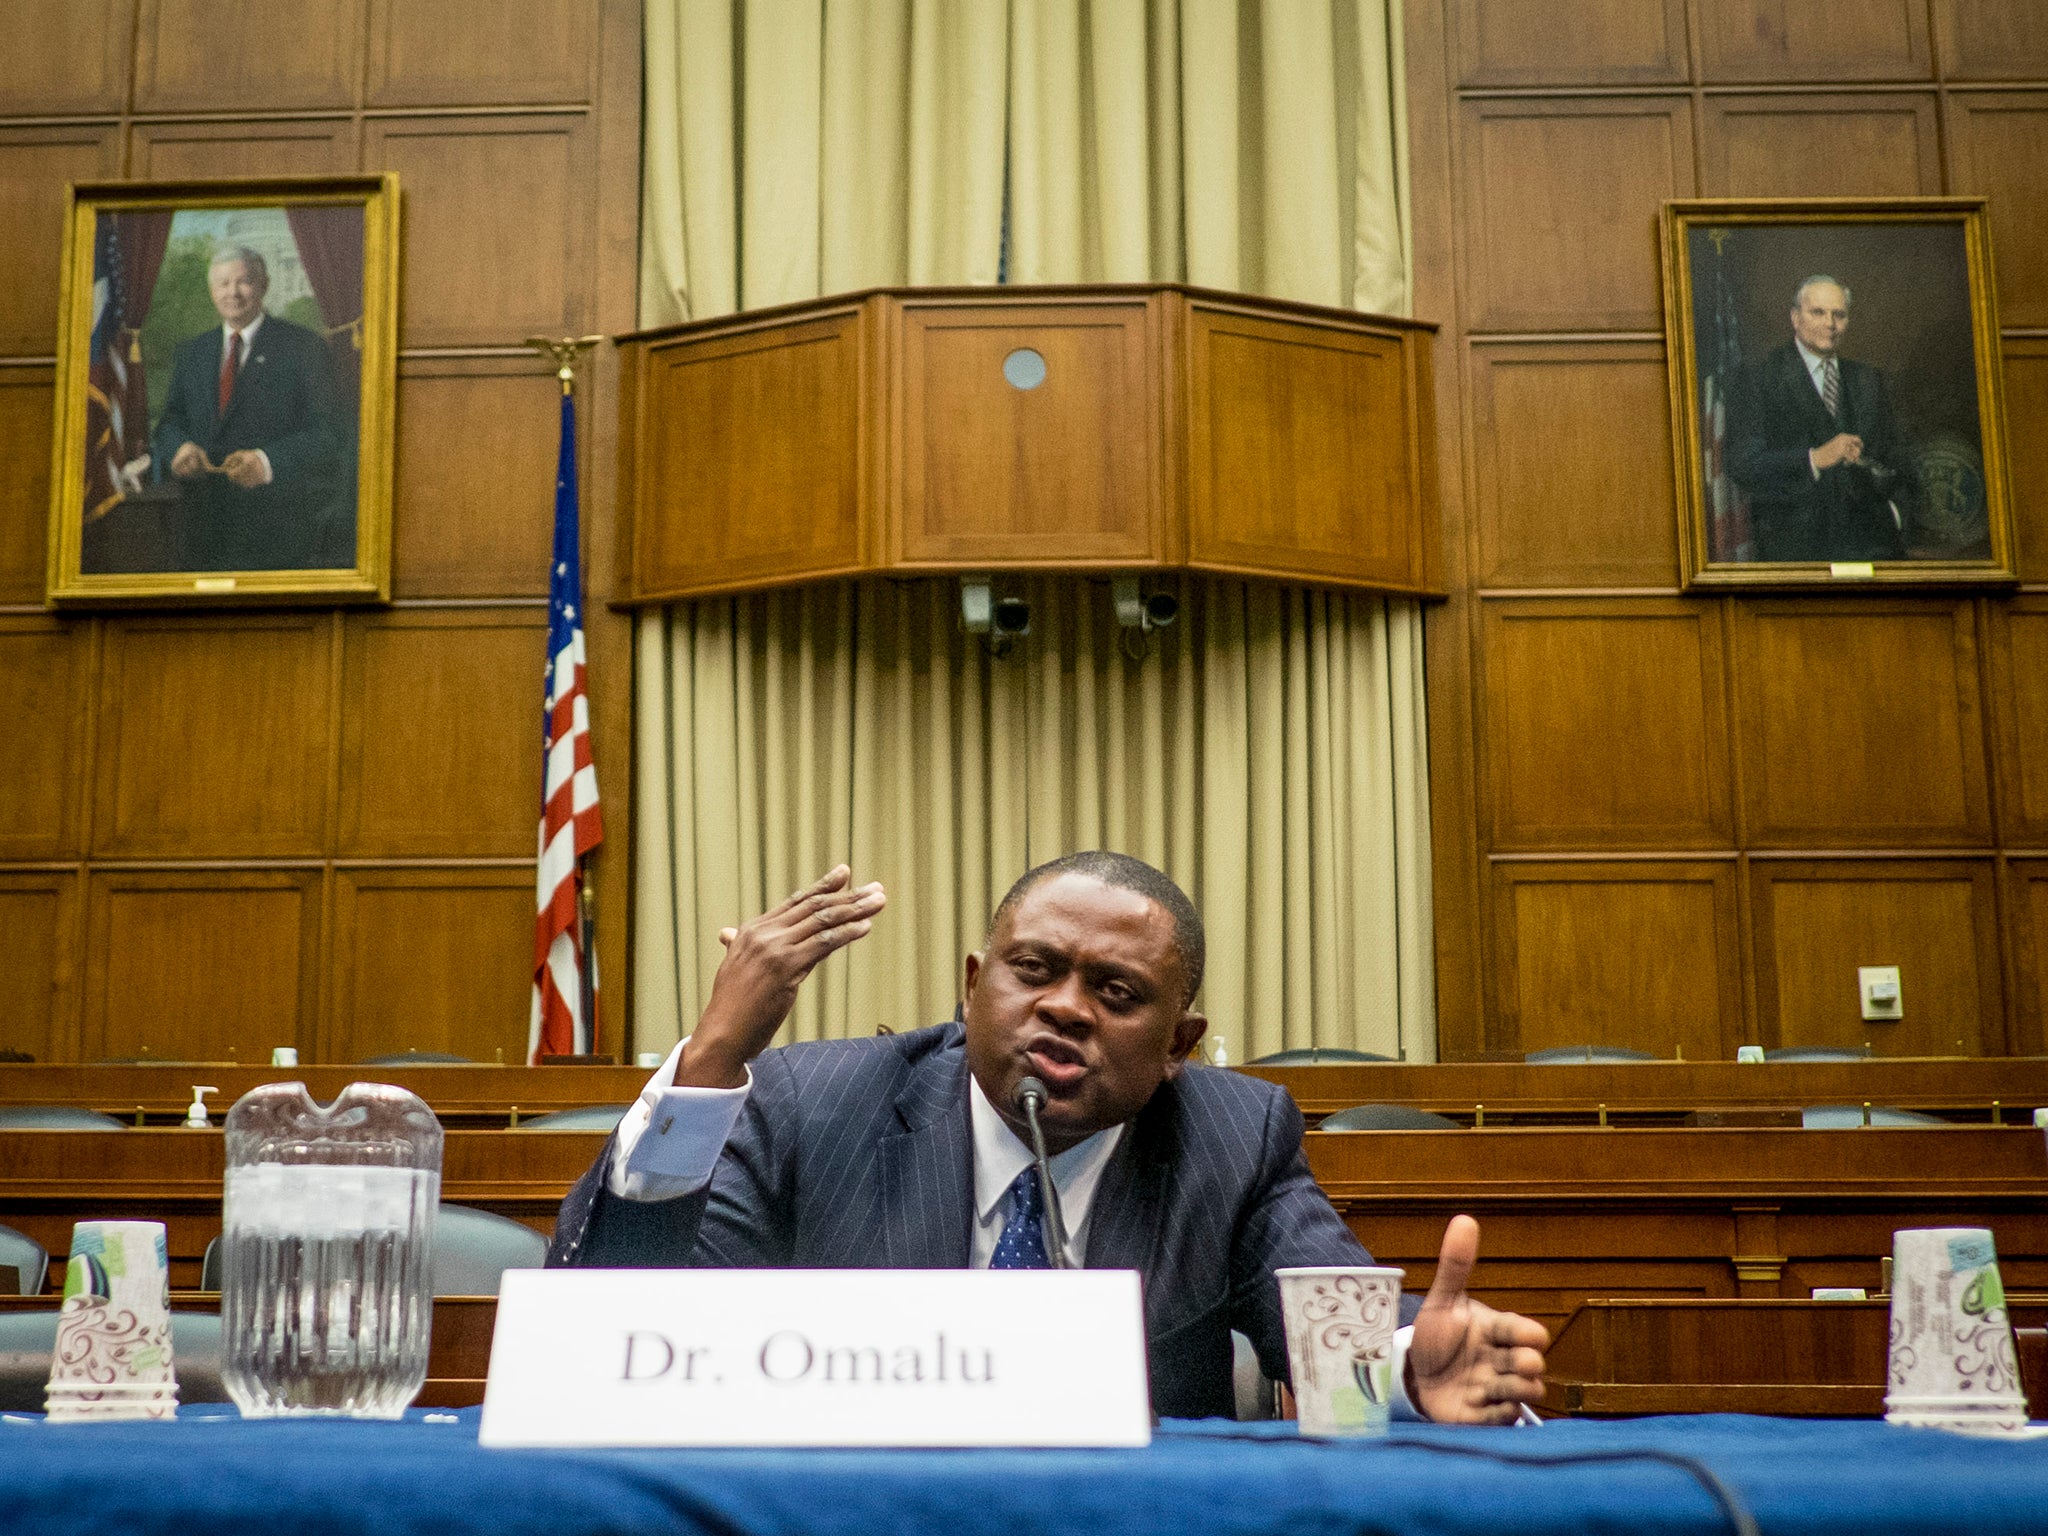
{"x":326,"y":1295}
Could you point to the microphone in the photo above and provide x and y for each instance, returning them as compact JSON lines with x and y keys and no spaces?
{"x":1028,"y":1100}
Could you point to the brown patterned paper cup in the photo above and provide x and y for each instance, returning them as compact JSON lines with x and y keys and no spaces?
{"x":1953,"y":1365}
{"x":113,"y":1352}
{"x":1340,"y":1345}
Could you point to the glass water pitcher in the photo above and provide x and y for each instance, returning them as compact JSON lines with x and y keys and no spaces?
{"x":327,"y":1246}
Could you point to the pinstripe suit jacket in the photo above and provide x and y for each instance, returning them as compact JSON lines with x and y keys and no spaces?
{"x":857,"y":1154}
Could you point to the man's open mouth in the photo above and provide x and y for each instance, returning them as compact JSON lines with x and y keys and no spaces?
{"x":1058,"y":1061}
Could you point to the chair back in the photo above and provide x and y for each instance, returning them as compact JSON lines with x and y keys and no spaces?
{"x":415,"y":1059}
{"x":1314,"y":1056}
{"x":472,"y":1249}
{"x":1840,"y":1117}
{"x":1565,"y":1054}
{"x":26,"y":1257}
{"x":1386,"y":1117}
{"x":595,"y":1117}
{"x":1818,"y":1053}
{"x":55,"y":1117}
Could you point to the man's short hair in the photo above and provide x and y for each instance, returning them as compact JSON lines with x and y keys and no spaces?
{"x":1127,"y":874}
{"x":1799,"y":293}
{"x":253,"y":260}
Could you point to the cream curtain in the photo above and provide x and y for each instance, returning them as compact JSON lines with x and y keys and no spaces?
{"x":1269,"y":750}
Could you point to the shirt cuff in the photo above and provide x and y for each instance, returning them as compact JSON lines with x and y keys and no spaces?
{"x":1401,"y":1408}
{"x":671,"y":1138}
{"x":264,"y":459}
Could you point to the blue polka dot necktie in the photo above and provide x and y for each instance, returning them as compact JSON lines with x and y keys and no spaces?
{"x":1022,"y":1245}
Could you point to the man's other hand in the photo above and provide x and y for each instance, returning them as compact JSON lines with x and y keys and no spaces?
{"x":765,"y":962}
{"x":1467,"y":1363}
{"x":247,"y":468}
{"x":1842,"y":448}
{"x":190,"y":461}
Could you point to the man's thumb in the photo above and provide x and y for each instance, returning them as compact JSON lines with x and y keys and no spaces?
{"x":1454,"y":1262}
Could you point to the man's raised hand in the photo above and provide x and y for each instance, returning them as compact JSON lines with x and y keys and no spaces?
{"x":765,"y":962}
{"x":1467,"y":1363}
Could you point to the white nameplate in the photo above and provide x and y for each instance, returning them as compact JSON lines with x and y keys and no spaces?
{"x":817,"y":1357}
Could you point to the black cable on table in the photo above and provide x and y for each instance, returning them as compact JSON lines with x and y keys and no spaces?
{"x":1730,"y":1502}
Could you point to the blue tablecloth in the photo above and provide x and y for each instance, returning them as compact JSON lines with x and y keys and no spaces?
{"x":210,"y":1474}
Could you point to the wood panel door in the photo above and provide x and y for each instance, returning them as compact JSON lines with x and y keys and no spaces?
{"x":201,"y":965}
{"x":1606,"y":724}
{"x":1640,"y":954}
{"x":1817,"y":921}
{"x":431,"y":960}
{"x":1859,"y":724}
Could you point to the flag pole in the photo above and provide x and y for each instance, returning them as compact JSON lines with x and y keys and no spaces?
{"x":566,"y":352}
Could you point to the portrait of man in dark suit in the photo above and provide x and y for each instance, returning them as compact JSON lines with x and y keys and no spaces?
{"x":1813,"y":443}
{"x":1839,"y":366}
{"x":254,"y":437}
{"x":225,"y":377}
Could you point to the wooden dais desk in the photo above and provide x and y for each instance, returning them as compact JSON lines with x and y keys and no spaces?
{"x":1817,"y":1359}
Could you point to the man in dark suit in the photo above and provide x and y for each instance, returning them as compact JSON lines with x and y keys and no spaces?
{"x":254,"y":434}
{"x":909,"y":1151}
{"x":1812,"y":443}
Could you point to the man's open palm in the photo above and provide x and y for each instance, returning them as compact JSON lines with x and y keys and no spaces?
{"x":1467,"y":1363}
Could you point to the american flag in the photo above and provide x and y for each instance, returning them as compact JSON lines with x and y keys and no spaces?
{"x":564,"y":1002}
{"x":117,"y":416}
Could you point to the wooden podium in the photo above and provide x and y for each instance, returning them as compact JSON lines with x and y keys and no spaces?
{"x":969,"y":430}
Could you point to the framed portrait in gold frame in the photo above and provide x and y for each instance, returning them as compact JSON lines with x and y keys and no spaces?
{"x":226,"y":370}
{"x":1836,"y":393}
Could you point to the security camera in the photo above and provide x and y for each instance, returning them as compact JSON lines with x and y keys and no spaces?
{"x":1000,"y":621}
{"x":1139,"y":610}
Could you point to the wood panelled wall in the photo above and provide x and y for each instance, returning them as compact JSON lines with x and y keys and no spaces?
{"x":1674,"y":822}
{"x":227,"y":831}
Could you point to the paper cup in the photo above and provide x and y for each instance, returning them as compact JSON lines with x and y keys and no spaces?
{"x":1953,"y":1365}
{"x":1340,"y":1345}
{"x":113,"y":1352}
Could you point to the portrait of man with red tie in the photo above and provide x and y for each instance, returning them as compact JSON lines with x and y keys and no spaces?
{"x":254,"y":436}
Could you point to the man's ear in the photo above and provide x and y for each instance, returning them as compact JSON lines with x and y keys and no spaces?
{"x":971,"y":968}
{"x":1187,"y":1035}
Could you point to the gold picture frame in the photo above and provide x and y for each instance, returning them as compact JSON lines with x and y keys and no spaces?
{"x":182,"y":475}
{"x":1813,"y":452}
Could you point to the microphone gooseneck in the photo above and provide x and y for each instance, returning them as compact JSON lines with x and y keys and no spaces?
{"x":1029,"y":1098}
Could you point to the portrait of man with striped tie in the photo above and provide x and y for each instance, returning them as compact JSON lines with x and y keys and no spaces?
{"x":1813,"y":442}
{"x":1837,"y":404}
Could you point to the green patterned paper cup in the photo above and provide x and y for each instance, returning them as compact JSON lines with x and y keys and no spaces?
{"x":113,"y":1352}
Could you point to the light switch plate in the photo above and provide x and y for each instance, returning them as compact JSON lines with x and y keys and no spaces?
{"x":1878,"y":986}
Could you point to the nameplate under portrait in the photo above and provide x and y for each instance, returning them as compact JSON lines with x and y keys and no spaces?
{"x":703,"y":1357}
